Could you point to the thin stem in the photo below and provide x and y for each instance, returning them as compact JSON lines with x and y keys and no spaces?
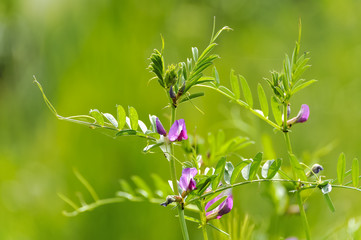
{"x":303,"y":216}
{"x":173,"y":172}
{"x":298,"y":194}
{"x":204,"y":220}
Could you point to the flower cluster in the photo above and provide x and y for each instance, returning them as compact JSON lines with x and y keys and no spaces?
{"x":187,"y":184}
{"x":177,"y":132}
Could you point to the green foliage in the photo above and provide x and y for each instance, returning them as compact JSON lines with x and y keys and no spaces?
{"x":341,"y":166}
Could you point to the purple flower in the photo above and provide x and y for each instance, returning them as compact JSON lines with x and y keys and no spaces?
{"x":301,"y":117}
{"x":303,"y":114}
{"x":160,"y":128}
{"x":186,"y":182}
{"x":223,"y":208}
{"x":177,"y":132}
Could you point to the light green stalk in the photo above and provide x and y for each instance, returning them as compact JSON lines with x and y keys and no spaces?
{"x":298,"y":194}
{"x":173,"y":172}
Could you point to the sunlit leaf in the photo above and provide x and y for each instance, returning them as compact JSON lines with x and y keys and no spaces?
{"x":246,"y":91}
{"x":216,"y":76}
{"x":120,"y":116}
{"x":98,"y":116}
{"x":297,"y":169}
{"x":228,"y":172}
{"x":235,"y":84}
{"x":238,"y":169}
{"x":141,"y":184}
{"x":219,"y":172}
{"x":355,"y":172}
{"x":276,"y":110}
{"x":341,"y":166}
{"x":257,"y":160}
{"x":263,"y":100}
{"x":270,"y":168}
{"x":111,"y":119}
{"x":133,"y":116}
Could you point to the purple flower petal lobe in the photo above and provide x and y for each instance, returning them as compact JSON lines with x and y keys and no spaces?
{"x":303,"y":114}
{"x":160,"y":128}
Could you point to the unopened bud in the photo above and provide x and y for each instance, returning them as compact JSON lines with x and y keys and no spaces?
{"x":316,"y":168}
{"x":170,"y":76}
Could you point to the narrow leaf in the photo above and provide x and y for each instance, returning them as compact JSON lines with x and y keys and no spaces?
{"x":245,"y":171}
{"x":133,"y":116}
{"x":111,"y":119}
{"x":228,"y":172}
{"x":216,"y":76}
{"x":255,"y":165}
{"x":329,"y":202}
{"x":276,"y":111}
{"x":303,"y":85}
{"x":120,"y":117}
{"x":141,"y":184}
{"x":152,"y":146}
{"x":126,"y":187}
{"x":98,"y":116}
{"x":246,"y":91}
{"x":235,"y":85}
{"x":195,"y":53}
{"x":216,"y":203}
{"x":192,"y":96}
{"x":270,"y":168}
{"x":219,"y":172}
{"x":297,"y":169}
{"x":238,"y":169}
{"x":355,"y":172}
{"x":226,"y":91}
{"x":341,"y":166}
{"x":263,"y":100}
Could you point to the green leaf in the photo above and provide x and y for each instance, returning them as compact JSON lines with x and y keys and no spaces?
{"x":329,"y":202}
{"x":111,"y":119}
{"x":191,"y":219}
{"x":255,"y":165}
{"x":151,"y":146}
{"x":191,"y":96}
{"x":98,"y":116}
{"x":216,"y":203}
{"x":227,"y":91}
{"x":246,"y":170}
{"x":235,"y":85}
{"x":218,"y":229}
{"x":228,"y":172}
{"x":121,"y":117}
{"x":303,"y":85}
{"x":297,"y":169}
{"x":195,"y":53}
{"x":142,"y":186}
{"x":161,"y":185}
{"x":238,"y":169}
{"x":219,"y":172}
{"x":126,"y":187}
{"x":246,"y":91}
{"x":355,"y":172}
{"x":276,"y":111}
{"x":133,"y":116}
{"x":270,"y":168}
{"x":216,"y":76}
{"x":341,"y":166}
{"x":263,"y":100}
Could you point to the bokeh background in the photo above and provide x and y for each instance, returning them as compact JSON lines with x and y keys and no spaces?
{"x":93,"y":54}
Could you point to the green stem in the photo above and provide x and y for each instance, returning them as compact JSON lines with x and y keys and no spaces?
{"x":303,"y":216}
{"x":298,"y":193}
{"x":204,"y":220}
{"x":173,"y":172}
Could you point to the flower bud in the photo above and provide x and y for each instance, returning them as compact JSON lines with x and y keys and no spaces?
{"x":316,"y":168}
{"x":160,"y":128}
{"x":223,"y":208}
{"x":170,"y":76}
{"x":301,"y":117}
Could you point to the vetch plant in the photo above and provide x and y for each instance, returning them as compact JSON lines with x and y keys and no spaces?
{"x":208,"y":176}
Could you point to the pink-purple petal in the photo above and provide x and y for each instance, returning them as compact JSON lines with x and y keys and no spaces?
{"x":178,"y":131}
{"x":160,"y":128}
{"x":186,"y":182}
{"x":303,"y":114}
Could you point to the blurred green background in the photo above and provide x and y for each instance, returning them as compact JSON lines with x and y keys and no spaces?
{"x":93,"y":54}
